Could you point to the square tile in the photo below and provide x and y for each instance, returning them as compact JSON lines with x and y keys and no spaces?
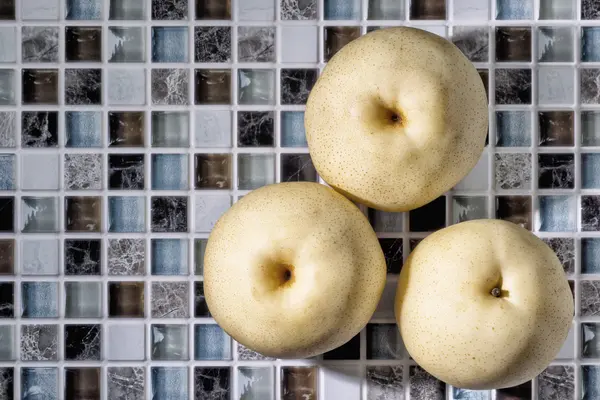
{"x":590,"y":373}
{"x":169,"y":383}
{"x":212,"y":86}
{"x":126,"y":214}
{"x":467,"y":208}
{"x":301,"y":44}
{"x":515,"y":209}
{"x":211,"y":343}
{"x":83,"y":86}
{"x":564,"y":248}
{"x":169,"y":342}
{"x":297,"y":168}
{"x":83,"y":129}
{"x":385,"y":10}
{"x":296,"y":84}
{"x":39,"y":44}
{"x":292,"y":129}
{"x":299,"y":382}
{"x":169,"y":44}
{"x":294,"y":10}
{"x":556,"y":128}
{"x":209,"y":208}
{"x":590,"y":256}
{"x":342,"y":10}
{"x":7,"y":10}
{"x":170,"y":10}
{"x":513,"y":44}
{"x":478,"y":177}
{"x":556,"y":9}
{"x":135,"y":389}
{"x":590,"y":167}
{"x":557,"y":213}
{"x":169,"y":257}
{"x":556,"y":171}
{"x":83,"y":214}
{"x":83,"y":299}
{"x":199,"y":250}
{"x":83,"y":256}
{"x":39,"y":129}
{"x":8,"y":129}
{"x":428,"y":9}
{"x":169,"y":171}
{"x":384,"y":381}
{"x":421,"y":383}
{"x":39,"y":343}
{"x":514,"y":9}
{"x":221,"y":10}
{"x":430,"y":217}
{"x":347,"y":351}
{"x":82,"y":383}
{"x":126,"y":171}
{"x":472,"y":41}
{"x":83,"y":43}
{"x":126,"y":128}
{"x":555,"y":44}
{"x":170,"y":128}
{"x":471,"y":10}
{"x":7,"y":300}
{"x":392,"y":251}
{"x":590,"y":128}
{"x":126,"y":342}
{"x":513,"y":129}
{"x":212,"y":44}
{"x":170,"y":300}
{"x":125,"y":44}
{"x":556,"y":381}
{"x":250,"y":10}
{"x":126,"y":299}
{"x":255,"y":170}
{"x":256,"y":128}
{"x":383,"y":221}
{"x":83,"y":171}
{"x":590,"y":10}
{"x":213,"y":171}
{"x":589,"y":298}
{"x":256,"y":382}
{"x":7,"y":171}
{"x":200,"y":307}
{"x":126,"y":257}
{"x":82,"y":342}
{"x":556,"y":85}
{"x":590,"y":344}
{"x":40,"y":10}
{"x":512,"y":170}
{"x":213,"y":128}
{"x":39,"y":214}
{"x":127,"y":10}
{"x":39,"y":171}
{"x":32,"y":379}
{"x":513,"y":86}
{"x":336,"y":37}
{"x":39,"y":257}
{"x":256,"y":86}
{"x":39,"y":86}
{"x":467,"y":394}
{"x":7,"y":256}
{"x":7,"y":87}
{"x":590,"y":85}
{"x":170,"y":87}
{"x":7,"y":214}
{"x":126,"y":87}
{"x":169,"y":214}
{"x":384,"y":342}
{"x":83,"y":9}
{"x":257,"y":43}
{"x":39,"y":299}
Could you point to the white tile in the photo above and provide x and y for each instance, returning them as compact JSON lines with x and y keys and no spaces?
{"x":40,"y":9}
{"x":478,"y":178}
{"x":256,"y":10}
{"x":342,"y":382}
{"x":126,"y":86}
{"x":556,"y":85}
{"x":567,"y":350}
{"x":8,"y":44}
{"x":209,"y":209}
{"x":39,"y":257}
{"x":299,"y":44}
{"x":126,"y":342}
{"x":213,"y":128}
{"x":471,"y":10}
{"x":39,"y":171}
{"x":439,"y":30}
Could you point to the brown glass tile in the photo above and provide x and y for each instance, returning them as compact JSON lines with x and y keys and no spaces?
{"x":428,"y":9}
{"x":298,"y":383}
{"x":126,"y":129}
{"x":484,"y":74}
{"x":7,"y":256}
{"x":126,"y":299}
{"x":213,"y":86}
{"x":521,"y":392}
{"x":337,"y":37}
{"x":82,"y":383}
{"x":556,"y":128}
{"x":7,"y":9}
{"x":83,"y":43}
{"x":39,"y":86}
{"x":213,"y":171}
{"x":513,"y":43}
{"x":213,"y":9}
{"x":83,"y":214}
{"x":516,"y":209}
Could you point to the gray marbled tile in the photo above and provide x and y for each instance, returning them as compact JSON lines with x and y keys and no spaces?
{"x":39,"y":129}
{"x":39,"y":342}
{"x":245,"y":354}
{"x":513,"y":171}
{"x":297,"y":168}
{"x":590,"y":9}
{"x":384,"y":383}
{"x":126,"y":383}
{"x":590,"y":298}
{"x":590,"y":86}
{"x":556,"y":171}
{"x":7,"y":378}
{"x":170,"y":300}
{"x":298,"y":9}
{"x":384,"y":342}
{"x":39,"y":44}
{"x":83,"y":257}
{"x":83,"y":86}
{"x":8,"y":129}
{"x":169,"y":214}
{"x":513,"y":86}
{"x":256,"y":128}
{"x":590,"y":213}
{"x":212,"y":383}
{"x":565,"y":251}
{"x":472,"y":41}
{"x":83,"y":171}
{"x":256,"y":44}
{"x":126,"y":257}
{"x":425,"y":386}
{"x":296,"y":84}
{"x":212,"y":44}
{"x":83,"y":342}
{"x":557,"y":382}
{"x":125,"y":44}
{"x":170,"y":86}
{"x":169,"y":9}
{"x":126,"y":171}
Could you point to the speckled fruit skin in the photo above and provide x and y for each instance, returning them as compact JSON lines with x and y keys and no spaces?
{"x":398,"y":117}
{"x":337,"y":270}
{"x":457,"y":330}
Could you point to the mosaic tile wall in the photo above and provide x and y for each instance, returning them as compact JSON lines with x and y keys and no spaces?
{"x":127,"y":127}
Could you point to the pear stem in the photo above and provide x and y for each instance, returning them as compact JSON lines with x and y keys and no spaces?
{"x":496,"y":292}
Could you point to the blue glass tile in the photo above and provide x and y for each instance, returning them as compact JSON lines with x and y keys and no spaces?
{"x":39,"y":299}
{"x":84,"y":9}
{"x":169,"y":44}
{"x":7,"y":172}
{"x":590,"y":43}
{"x":39,"y":384}
{"x":292,"y":129}
{"x":557,"y":213}
{"x":591,"y":382}
{"x":169,"y":383}
{"x":342,"y":9}
{"x":126,"y":214}
{"x":466,"y":394}
{"x":590,"y":171}
{"x":211,"y":343}
{"x":169,"y":172}
{"x":83,"y":128}
{"x":514,"y":9}
{"x":169,"y":257}
{"x":590,"y":256}
{"x":513,"y":129}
